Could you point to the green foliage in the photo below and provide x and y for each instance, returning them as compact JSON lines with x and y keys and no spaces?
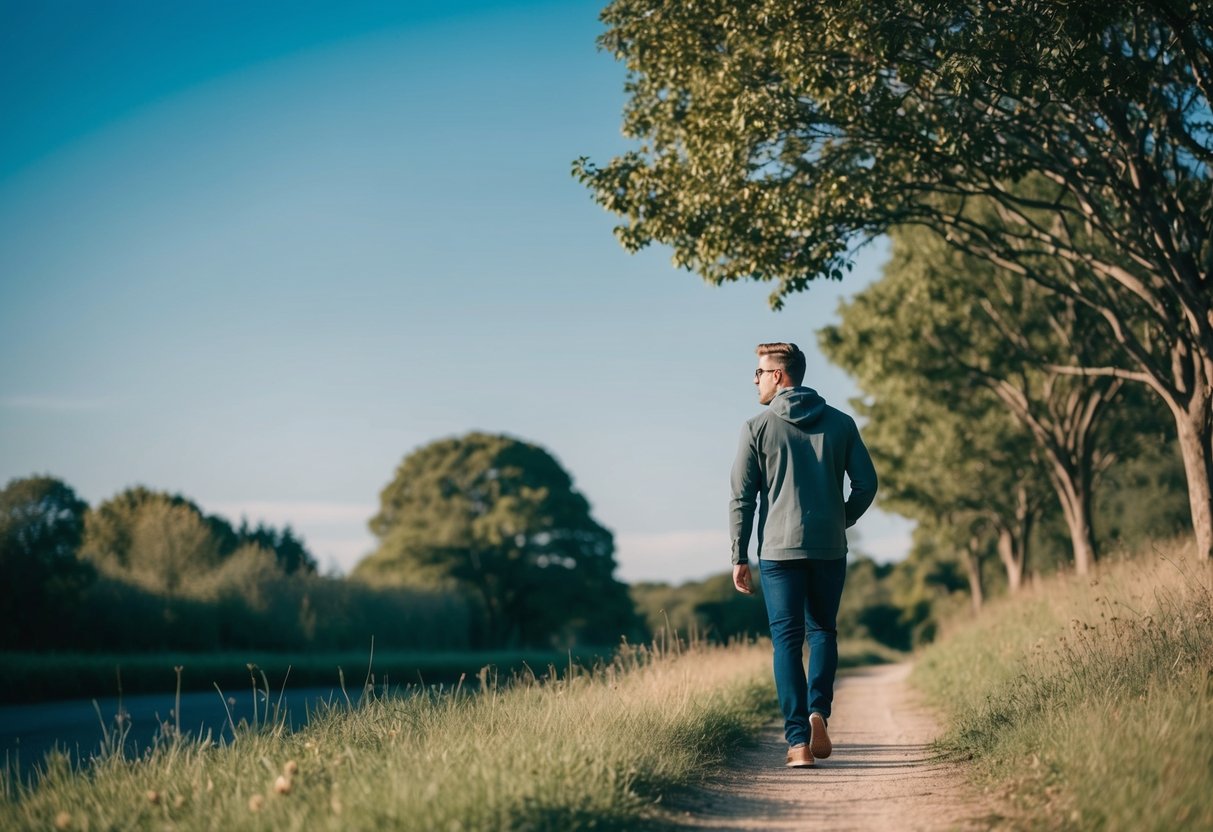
{"x":273,"y":613}
{"x":1144,"y":497}
{"x":149,"y":571}
{"x":165,"y":541}
{"x":898,"y":604}
{"x":1069,"y":143}
{"x":775,"y":134}
{"x":947,"y":347}
{"x":41,"y":524}
{"x":289,"y":551}
{"x":711,"y":608}
{"x":499,"y":518}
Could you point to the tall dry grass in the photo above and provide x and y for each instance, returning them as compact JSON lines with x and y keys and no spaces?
{"x":1088,"y":702}
{"x":590,"y":749}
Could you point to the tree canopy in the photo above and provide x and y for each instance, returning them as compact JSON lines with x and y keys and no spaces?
{"x":164,"y":542}
{"x":500,"y":519}
{"x":778,"y":136}
{"x":41,"y":523}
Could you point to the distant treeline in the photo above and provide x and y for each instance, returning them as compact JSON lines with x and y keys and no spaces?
{"x":146,"y":570}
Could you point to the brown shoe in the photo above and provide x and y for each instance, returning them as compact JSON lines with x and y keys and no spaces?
{"x":819,"y":742}
{"x":799,"y":756}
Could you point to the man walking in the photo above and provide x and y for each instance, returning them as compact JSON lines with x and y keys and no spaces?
{"x":789,"y":466}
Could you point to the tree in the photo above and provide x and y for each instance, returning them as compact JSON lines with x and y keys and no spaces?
{"x":290,"y":552}
{"x":957,"y":322}
{"x":778,"y":136}
{"x":41,"y":577}
{"x":499,"y":518}
{"x":110,"y":528}
{"x":960,"y":465}
{"x":711,"y":608}
{"x":171,"y":547}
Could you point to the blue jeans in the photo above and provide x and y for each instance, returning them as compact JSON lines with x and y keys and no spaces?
{"x":803,"y":595}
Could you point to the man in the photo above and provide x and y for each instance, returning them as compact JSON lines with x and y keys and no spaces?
{"x":790,"y":465}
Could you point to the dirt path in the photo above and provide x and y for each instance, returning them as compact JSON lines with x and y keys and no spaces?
{"x":882,"y":774}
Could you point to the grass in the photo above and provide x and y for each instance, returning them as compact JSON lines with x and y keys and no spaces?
{"x":1087,"y":703}
{"x":39,"y":677}
{"x":586,"y":749}
{"x":42,"y":677}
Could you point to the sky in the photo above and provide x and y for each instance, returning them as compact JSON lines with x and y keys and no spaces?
{"x":256,"y":253}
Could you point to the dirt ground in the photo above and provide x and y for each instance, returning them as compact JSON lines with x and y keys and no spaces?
{"x":881,"y":776}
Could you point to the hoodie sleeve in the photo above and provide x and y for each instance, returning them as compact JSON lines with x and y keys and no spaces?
{"x":863,"y":478}
{"x":746,"y":480}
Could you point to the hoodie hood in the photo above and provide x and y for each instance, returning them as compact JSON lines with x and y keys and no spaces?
{"x":799,"y":405}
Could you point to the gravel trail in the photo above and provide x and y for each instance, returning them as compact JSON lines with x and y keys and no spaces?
{"x":882,"y":775}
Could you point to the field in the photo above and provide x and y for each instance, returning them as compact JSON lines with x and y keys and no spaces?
{"x":1088,"y":703}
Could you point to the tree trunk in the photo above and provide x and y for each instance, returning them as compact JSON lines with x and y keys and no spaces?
{"x":1010,"y":559}
{"x":1194,"y":428}
{"x":1066,"y":435}
{"x":1074,"y":494}
{"x":1013,"y":542}
{"x":973,"y":568}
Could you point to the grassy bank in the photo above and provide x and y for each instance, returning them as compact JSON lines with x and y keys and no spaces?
{"x":41,"y":677}
{"x":1088,"y":702}
{"x":592,"y":749}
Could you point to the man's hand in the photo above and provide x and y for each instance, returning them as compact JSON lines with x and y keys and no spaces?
{"x":741,"y":578}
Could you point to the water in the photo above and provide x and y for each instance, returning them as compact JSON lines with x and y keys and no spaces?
{"x":28,"y":732}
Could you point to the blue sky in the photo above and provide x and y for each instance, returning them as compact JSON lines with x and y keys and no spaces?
{"x":256,"y":253}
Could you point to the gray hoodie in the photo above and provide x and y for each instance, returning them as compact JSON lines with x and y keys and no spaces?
{"x":790,"y":465}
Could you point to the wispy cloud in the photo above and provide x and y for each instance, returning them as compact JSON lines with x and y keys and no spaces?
{"x":61,"y":404}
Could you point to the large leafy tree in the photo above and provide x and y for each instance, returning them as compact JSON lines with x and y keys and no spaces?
{"x":959,"y":323}
{"x":165,"y":542}
{"x":776,"y":136}
{"x":41,"y":524}
{"x":959,"y":464}
{"x":499,"y":518}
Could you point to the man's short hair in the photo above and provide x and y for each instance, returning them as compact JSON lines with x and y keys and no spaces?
{"x":788,"y":357}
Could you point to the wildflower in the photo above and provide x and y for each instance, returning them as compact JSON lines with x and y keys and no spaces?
{"x":63,"y":820}
{"x":153,"y":797}
{"x":291,"y":768}
{"x":283,"y":784}
{"x":255,"y":803}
